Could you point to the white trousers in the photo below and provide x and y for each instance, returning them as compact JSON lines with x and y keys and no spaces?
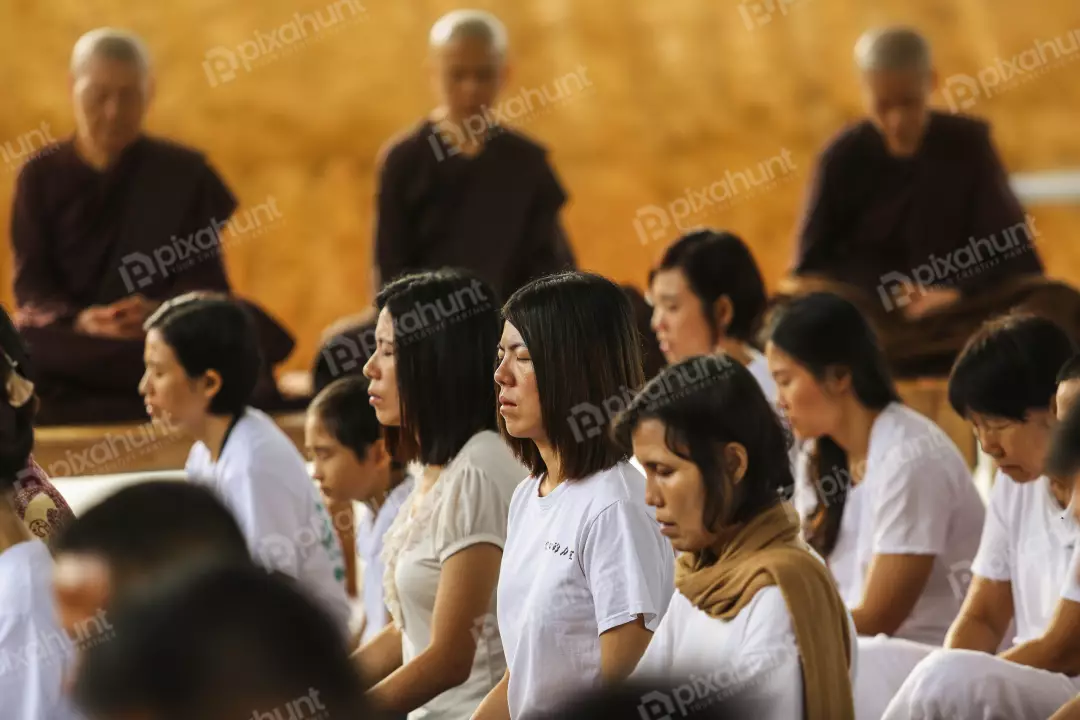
{"x":884,"y":665}
{"x":969,"y":685}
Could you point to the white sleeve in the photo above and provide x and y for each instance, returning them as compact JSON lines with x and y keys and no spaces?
{"x":33,"y":659}
{"x":473,"y":511}
{"x":1071,"y":587}
{"x":268,"y":517}
{"x":628,"y":565}
{"x":994,"y":559}
{"x":911,"y":509}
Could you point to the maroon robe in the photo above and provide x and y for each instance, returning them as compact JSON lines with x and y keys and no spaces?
{"x":945,"y":217}
{"x":148,"y":224}
{"x":495,"y":214}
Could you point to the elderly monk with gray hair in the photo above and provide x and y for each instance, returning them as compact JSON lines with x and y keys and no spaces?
{"x":105,"y":227}
{"x":911,"y":215}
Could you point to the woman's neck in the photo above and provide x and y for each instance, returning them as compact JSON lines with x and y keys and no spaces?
{"x":213,"y":432}
{"x":395,"y":476}
{"x":853,"y":436}
{"x":12,"y":529}
{"x":737,"y":349}
{"x":554,"y":475}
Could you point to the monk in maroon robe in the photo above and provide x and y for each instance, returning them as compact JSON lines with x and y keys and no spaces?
{"x":106,"y":226}
{"x":911,"y":215}
{"x":459,"y":189}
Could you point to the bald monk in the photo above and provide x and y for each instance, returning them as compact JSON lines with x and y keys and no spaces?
{"x":461,"y":190}
{"x":911,"y":215}
{"x":106,"y":226}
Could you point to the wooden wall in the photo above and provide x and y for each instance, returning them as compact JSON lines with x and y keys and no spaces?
{"x":660,"y":97}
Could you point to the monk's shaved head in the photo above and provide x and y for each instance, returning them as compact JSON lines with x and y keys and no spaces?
{"x":893,"y":49}
{"x":475,"y":24}
{"x":113,"y":44}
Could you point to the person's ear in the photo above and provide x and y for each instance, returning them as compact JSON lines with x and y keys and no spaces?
{"x":837,"y":380}
{"x":723,"y":314}
{"x":211,"y":384}
{"x":735,"y":462}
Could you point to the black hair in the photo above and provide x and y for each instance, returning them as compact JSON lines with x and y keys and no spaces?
{"x":446,"y":336}
{"x":155,"y":528}
{"x":580,"y":332}
{"x":824,"y":333}
{"x":16,"y":423}
{"x":345,"y":412}
{"x":344,"y":355}
{"x":705,"y":403}
{"x":1010,"y":366}
{"x":1063,"y":460}
{"x":220,"y":644}
{"x":652,"y":357}
{"x":213,"y":333}
{"x":1070,"y":370}
{"x":718,"y":263}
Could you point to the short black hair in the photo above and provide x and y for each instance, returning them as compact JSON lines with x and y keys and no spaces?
{"x":345,"y":412}
{"x":446,"y":337}
{"x":155,"y":528}
{"x":580,"y":332}
{"x":1070,"y":370}
{"x":652,"y":357}
{"x":716,"y":263}
{"x":343,"y":355}
{"x":705,"y":403}
{"x":1009,"y":367}
{"x":16,"y":423}
{"x":219,"y":644}
{"x":213,"y":333}
{"x":1063,"y":460}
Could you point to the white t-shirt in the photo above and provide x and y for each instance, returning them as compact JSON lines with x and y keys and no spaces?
{"x":35,"y":652}
{"x":916,"y":498}
{"x":262,"y":478}
{"x":467,"y":505}
{"x":370,"y":531}
{"x":759,"y":368}
{"x":586,"y":558}
{"x":1027,"y":542}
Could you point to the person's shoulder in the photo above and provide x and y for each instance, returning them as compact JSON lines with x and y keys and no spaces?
{"x":954,"y":127}
{"x":909,"y":438}
{"x":851,"y":141}
{"x":406,"y":146}
{"x":520,"y":144}
{"x":171,"y":153}
{"x":256,"y":443}
{"x":487,"y":454}
{"x":620,"y":485}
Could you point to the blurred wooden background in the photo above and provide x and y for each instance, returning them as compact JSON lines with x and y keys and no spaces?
{"x":669,"y":97}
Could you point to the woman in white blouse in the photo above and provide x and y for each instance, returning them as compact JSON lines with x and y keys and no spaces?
{"x":586,"y":575}
{"x":431,"y":387}
{"x":755,"y":614}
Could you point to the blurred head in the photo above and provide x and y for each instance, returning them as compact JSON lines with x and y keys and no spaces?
{"x":228,"y":643}
{"x":344,"y":441}
{"x":1063,"y":458}
{"x":141,"y":535}
{"x":825,"y":359}
{"x":897,"y":79}
{"x":431,"y":371}
{"x":828,"y":366}
{"x":111,"y":88}
{"x":569,"y":360}
{"x":202,"y":358}
{"x":714,"y":451}
{"x":1005,"y":382}
{"x":345,"y":351}
{"x":637,"y":699}
{"x":1068,"y":386}
{"x":468,"y":61}
{"x":707,"y":287}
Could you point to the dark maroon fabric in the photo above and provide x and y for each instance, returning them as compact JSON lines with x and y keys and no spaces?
{"x":48,"y":511}
{"x":870,"y":214}
{"x":495,"y":214}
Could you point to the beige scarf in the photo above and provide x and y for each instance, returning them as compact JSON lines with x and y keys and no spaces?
{"x":767,"y":551}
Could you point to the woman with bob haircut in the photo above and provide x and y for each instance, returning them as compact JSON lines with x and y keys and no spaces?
{"x":586,"y":575}
{"x":708,"y":296}
{"x":753,"y":607}
{"x":430,"y":385}
{"x":887,"y":498}
{"x":202,"y":363}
